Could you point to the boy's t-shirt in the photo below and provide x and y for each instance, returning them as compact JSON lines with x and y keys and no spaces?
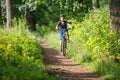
{"x":62,"y":25}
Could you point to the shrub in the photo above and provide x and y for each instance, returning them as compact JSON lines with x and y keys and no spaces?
{"x":20,"y":56}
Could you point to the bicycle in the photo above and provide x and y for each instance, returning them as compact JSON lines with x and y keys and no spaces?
{"x":64,"y":42}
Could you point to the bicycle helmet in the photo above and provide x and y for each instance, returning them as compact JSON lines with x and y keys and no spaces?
{"x":62,"y":15}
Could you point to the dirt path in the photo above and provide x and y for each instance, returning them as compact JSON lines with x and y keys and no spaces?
{"x":62,"y":66}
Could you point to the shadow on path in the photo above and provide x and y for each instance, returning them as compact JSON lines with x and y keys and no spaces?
{"x":62,"y":66}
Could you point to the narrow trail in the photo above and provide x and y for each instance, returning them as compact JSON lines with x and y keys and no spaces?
{"x":62,"y":66}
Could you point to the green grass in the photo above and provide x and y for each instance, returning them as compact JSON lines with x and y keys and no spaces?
{"x":53,"y":40}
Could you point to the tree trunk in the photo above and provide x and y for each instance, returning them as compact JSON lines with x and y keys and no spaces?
{"x":32,"y":25}
{"x":115,"y":16}
{"x":9,"y":13}
{"x":0,"y":13}
{"x":30,"y":20}
{"x":95,"y":4}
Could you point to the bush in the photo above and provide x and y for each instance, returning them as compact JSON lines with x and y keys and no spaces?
{"x":43,"y":30}
{"x":21,"y":56}
{"x":93,"y":41}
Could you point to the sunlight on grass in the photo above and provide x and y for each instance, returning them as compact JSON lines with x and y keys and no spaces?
{"x":53,"y":40}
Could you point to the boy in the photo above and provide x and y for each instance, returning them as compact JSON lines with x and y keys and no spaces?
{"x":62,"y":24}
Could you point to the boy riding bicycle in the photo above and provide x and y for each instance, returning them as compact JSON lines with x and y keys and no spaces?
{"x":62,"y":24}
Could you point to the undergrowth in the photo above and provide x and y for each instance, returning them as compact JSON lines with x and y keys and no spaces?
{"x":20,"y":55}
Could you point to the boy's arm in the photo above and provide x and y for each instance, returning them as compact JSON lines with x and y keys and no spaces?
{"x":56,"y":27}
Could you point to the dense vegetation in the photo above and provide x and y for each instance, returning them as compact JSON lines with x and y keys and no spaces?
{"x":20,"y":56}
{"x":92,"y":43}
{"x":46,"y":11}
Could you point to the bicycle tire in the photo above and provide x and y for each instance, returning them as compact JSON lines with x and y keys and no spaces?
{"x":64,"y":46}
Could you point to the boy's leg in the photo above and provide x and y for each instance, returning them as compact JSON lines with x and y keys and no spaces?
{"x":60,"y":46}
{"x":67,"y":34}
{"x":61,"y":34}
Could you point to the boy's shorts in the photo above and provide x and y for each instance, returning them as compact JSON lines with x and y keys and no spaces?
{"x":62,"y":32}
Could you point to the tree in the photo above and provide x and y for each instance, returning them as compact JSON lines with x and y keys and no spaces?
{"x":0,"y":13}
{"x":95,"y":4}
{"x":115,"y":16}
{"x":30,"y":19}
{"x":31,"y":10}
{"x":9,"y":13}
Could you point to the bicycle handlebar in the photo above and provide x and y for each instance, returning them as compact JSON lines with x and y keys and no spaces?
{"x":69,"y":28}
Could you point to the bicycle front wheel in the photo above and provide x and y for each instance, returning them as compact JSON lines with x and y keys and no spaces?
{"x":63,"y":46}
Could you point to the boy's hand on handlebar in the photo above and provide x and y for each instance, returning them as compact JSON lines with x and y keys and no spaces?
{"x":56,"y":27}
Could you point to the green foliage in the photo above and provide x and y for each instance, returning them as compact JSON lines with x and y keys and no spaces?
{"x":95,"y":43}
{"x":110,"y":70}
{"x":103,"y":2}
{"x":94,"y":34}
{"x":45,"y":11}
{"x":44,"y":30}
{"x":21,"y":56}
